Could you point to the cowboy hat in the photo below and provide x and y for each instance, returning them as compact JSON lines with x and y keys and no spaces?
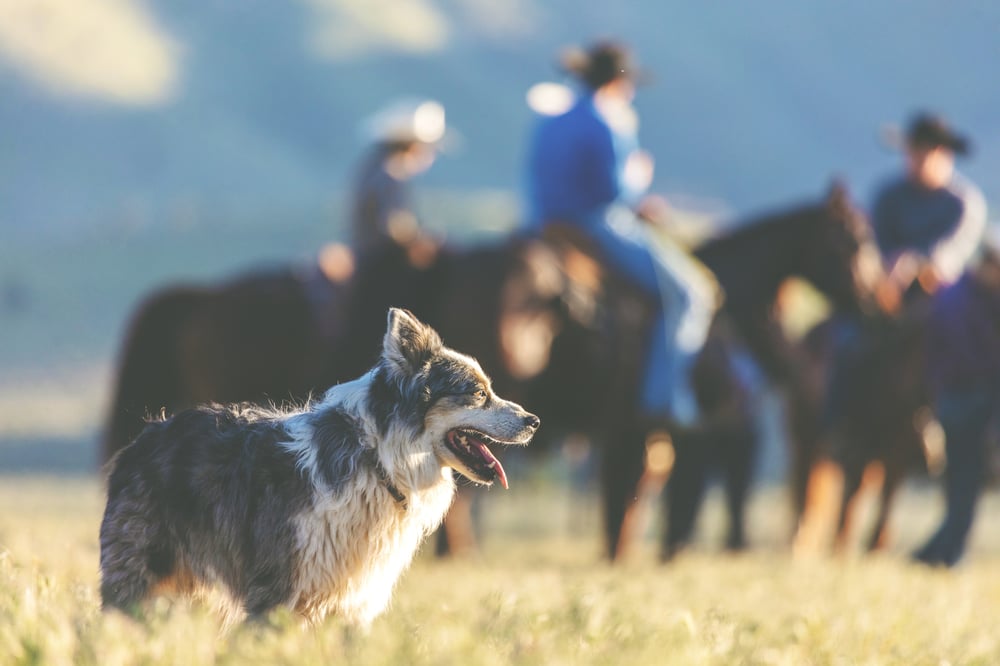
{"x":407,"y":121}
{"x":602,"y":63}
{"x":929,"y":131}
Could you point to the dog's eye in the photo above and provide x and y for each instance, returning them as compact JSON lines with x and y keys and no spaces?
{"x":480,"y":394}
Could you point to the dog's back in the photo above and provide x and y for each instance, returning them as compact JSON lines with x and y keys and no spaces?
{"x":203,"y":497}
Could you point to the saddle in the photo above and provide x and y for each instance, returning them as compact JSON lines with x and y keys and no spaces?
{"x":593,"y":279}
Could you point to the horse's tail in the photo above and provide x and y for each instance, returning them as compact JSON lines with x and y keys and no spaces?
{"x":148,"y":378}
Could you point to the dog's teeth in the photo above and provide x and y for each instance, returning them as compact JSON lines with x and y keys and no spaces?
{"x":492,"y":465}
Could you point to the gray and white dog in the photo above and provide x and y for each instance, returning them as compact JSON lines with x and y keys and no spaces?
{"x":319,"y":510}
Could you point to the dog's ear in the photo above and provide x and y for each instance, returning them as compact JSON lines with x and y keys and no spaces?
{"x":408,"y":342}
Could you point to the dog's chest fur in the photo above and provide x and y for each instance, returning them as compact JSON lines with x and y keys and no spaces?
{"x":354,"y":539}
{"x":352,"y":548}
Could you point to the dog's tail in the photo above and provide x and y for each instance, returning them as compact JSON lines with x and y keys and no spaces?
{"x":148,"y":378}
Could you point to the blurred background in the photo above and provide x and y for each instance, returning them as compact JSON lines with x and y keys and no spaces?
{"x":145,"y":142}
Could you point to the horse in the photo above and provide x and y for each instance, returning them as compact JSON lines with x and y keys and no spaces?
{"x":829,"y":245}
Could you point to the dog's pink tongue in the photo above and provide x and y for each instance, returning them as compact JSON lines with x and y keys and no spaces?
{"x":494,"y":464}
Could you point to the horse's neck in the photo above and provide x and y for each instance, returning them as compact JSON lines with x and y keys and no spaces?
{"x":757,"y":258}
{"x":469,"y":288}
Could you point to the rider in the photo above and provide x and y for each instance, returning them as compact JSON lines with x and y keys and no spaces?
{"x":929,"y":222}
{"x":585,"y":168}
{"x":407,"y":136}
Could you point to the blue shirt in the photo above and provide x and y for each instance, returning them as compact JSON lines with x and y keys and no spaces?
{"x":576,"y":165}
{"x":945,"y":225}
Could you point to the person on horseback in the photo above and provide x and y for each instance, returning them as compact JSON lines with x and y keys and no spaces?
{"x":406,"y":139}
{"x":586,"y":169}
{"x":963,"y":350}
{"x":930,"y":221}
{"x":389,"y":252}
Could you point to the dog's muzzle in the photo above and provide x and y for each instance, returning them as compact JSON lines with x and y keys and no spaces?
{"x":472,"y":448}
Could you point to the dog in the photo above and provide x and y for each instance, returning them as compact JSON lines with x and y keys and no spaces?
{"x":319,"y":510}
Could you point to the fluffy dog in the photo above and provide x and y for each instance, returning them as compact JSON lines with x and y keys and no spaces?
{"x":319,"y":510}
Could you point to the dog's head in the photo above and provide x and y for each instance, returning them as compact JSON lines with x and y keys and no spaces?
{"x":446,"y":399}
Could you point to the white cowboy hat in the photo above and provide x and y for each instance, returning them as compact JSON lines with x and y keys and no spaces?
{"x":407,"y":120}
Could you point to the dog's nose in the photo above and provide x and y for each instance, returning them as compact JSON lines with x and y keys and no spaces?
{"x":532,"y":421}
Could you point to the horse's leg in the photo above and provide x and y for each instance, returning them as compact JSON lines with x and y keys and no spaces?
{"x":739,"y":452}
{"x":893,"y":477}
{"x":684,"y":495}
{"x":621,"y":471}
{"x":441,"y":546}
{"x":802,"y":422}
{"x":823,"y":494}
{"x":457,"y":534}
{"x":856,"y":476}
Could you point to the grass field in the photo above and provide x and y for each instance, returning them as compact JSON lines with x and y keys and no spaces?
{"x":536,"y":593}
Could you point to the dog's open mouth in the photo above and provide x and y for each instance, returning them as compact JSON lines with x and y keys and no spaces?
{"x":471,"y":447}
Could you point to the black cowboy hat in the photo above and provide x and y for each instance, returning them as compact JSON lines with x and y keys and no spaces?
{"x":932,"y":131}
{"x":602,"y":63}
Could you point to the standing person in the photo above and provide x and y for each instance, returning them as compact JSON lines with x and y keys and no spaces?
{"x":930,"y":220}
{"x":406,"y":138}
{"x":586,"y":168}
{"x":964,"y":363}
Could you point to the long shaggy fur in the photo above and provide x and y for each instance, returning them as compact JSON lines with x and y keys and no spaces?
{"x":320,"y":509}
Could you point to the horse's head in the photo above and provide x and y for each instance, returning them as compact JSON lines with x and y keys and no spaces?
{"x":840,"y":257}
{"x":552,"y":290}
{"x":555,"y":328}
{"x":528,"y":311}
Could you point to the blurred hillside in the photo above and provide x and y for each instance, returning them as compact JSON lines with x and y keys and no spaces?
{"x":142,"y":111}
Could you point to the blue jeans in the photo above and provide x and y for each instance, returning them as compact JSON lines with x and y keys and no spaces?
{"x":684,"y":312}
{"x":965,"y":416}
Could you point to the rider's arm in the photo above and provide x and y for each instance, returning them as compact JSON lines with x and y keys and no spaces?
{"x":951,"y":254}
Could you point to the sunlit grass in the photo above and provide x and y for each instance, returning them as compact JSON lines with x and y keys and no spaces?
{"x":536,"y":594}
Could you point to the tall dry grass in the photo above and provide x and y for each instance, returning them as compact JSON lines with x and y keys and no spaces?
{"x":536,"y":594}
